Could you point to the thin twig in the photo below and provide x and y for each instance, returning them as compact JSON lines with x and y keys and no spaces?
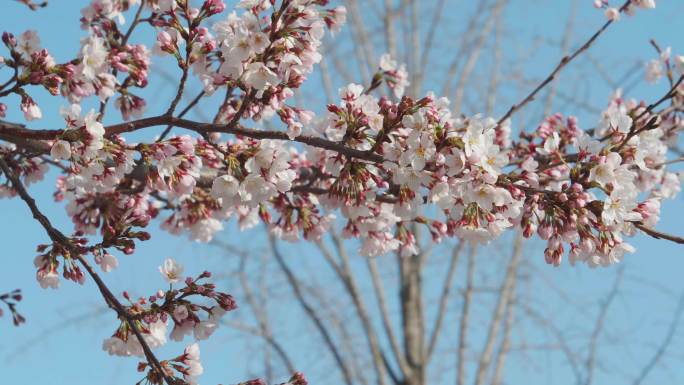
{"x":658,"y":234}
{"x":474,"y":56}
{"x":562,"y":64}
{"x":565,"y":45}
{"x":187,"y":109}
{"x":665,"y":343}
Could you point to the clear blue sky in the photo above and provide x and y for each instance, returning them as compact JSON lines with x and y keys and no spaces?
{"x":60,"y":344}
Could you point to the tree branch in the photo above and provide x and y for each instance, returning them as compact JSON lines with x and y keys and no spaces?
{"x":309,"y":310}
{"x":507,"y":288}
{"x":444,"y":299}
{"x":384,"y":312}
{"x":10,"y":131}
{"x":562,"y":64}
{"x":111,"y":300}
{"x":659,"y":235}
{"x":600,"y":321}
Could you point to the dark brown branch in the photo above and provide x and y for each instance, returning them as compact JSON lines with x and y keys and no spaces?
{"x":187,"y":109}
{"x":136,"y":21}
{"x":659,"y":235}
{"x":111,"y":300}
{"x":181,"y":85}
{"x":669,"y":95}
{"x":14,"y":131}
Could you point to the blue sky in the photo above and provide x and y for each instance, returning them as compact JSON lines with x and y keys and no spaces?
{"x":61,"y":341}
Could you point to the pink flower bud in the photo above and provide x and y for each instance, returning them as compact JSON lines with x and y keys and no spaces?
{"x":545,"y":231}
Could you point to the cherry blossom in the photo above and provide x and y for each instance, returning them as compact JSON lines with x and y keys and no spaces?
{"x":171,"y":270}
{"x":61,"y":150}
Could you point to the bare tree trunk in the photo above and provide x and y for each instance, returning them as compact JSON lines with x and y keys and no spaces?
{"x":410,"y":294}
{"x":505,"y":294}
{"x":465,"y":314}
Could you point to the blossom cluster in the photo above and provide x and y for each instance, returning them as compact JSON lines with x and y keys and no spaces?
{"x":376,"y":165}
{"x":102,"y":55}
{"x":177,"y":306}
{"x":666,"y":65}
{"x":187,"y":364}
{"x":153,"y":313}
{"x":613,"y":14}
{"x":614,"y":184}
{"x":29,"y":169}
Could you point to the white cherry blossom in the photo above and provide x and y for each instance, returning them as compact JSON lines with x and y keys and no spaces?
{"x":171,"y":270}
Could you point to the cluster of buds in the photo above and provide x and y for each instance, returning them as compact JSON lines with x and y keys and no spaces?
{"x":152,"y":315}
{"x":394,"y":75}
{"x":385,"y":164}
{"x":28,"y":168}
{"x":558,"y":181}
{"x":10,"y":300}
{"x":174,"y":167}
{"x":266,"y":57}
{"x":48,"y":261}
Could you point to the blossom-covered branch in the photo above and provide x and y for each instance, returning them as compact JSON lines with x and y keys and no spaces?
{"x":71,"y":251}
